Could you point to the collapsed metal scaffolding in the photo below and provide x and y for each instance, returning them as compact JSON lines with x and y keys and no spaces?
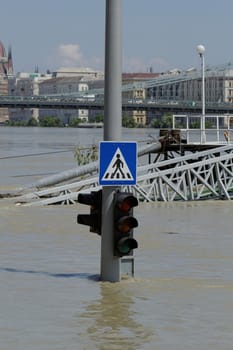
{"x":202,"y":175}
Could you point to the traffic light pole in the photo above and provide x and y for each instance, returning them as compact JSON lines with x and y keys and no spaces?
{"x":110,"y":265}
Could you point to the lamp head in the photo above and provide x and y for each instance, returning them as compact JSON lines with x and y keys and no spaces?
{"x":200,"y":49}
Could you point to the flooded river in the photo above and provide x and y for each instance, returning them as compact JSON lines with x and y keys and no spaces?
{"x":50,"y":295}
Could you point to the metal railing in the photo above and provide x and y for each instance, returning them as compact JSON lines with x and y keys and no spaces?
{"x":218,"y":129}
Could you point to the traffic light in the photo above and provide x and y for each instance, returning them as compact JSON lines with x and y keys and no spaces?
{"x":124,"y":223}
{"x":94,"y":199}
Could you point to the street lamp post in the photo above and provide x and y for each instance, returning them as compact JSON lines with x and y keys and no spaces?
{"x":201,"y":50}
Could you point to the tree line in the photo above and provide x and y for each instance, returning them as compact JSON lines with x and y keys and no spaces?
{"x":164,"y":121}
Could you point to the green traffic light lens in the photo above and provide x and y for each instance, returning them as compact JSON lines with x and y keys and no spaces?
{"x":125,"y":245}
{"x":125,"y":249}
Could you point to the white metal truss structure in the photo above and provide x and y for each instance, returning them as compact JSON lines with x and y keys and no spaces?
{"x":196,"y":176}
{"x":202,"y":175}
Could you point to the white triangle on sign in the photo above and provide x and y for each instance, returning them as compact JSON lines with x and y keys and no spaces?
{"x":117,"y":168}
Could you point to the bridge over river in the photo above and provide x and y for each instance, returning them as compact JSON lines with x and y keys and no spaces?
{"x":80,"y":102}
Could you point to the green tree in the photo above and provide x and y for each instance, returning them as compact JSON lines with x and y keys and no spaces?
{"x":32,"y":122}
{"x":128,"y":122}
{"x":164,"y":122}
{"x":99,"y":118}
{"x":195,"y":125}
{"x":155,"y":123}
{"x":74,"y":122}
{"x":16,"y":123}
{"x":50,"y":122}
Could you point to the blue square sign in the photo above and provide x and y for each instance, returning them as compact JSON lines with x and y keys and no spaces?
{"x":117,"y":163}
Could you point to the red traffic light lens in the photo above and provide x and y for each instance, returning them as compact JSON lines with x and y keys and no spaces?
{"x":127,"y":203}
{"x":124,"y":206}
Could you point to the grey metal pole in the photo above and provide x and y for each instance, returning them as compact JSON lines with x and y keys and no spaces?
{"x":201,"y":51}
{"x":203,"y":82}
{"x":110,"y":265}
{"x":203,"y":98}
{"x":113,"y":72}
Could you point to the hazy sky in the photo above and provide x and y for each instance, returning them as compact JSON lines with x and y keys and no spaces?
{"x":162,"y":34}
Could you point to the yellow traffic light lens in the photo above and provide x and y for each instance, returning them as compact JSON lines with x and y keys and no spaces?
{"x":124,"y":227}
{"x":126,"y":223}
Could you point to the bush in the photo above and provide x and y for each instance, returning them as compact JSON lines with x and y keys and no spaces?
{"x":99,"y":118}
{"x":50,"y":122}
{"x":15,"y":123}
{"x":164,"y":122}
{"x":32,"y":122}
{"x":128,"y":122}
{"x":74,"y":122}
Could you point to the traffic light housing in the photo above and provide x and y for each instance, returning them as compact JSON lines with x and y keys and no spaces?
{"x":94,"y":200}
{"x":124,"y":223}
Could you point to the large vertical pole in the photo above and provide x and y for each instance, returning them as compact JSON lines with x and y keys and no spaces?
{"x":203,"y":98}
{"x":110,"y":265}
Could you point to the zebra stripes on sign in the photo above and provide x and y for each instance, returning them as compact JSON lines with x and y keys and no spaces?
{"x":117,"y":163}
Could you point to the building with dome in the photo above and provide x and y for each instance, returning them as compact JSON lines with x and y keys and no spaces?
{"x":6,"y":70}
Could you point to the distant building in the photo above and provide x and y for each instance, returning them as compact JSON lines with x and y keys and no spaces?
{"x":187,"y":85}
{"x":84,"y":73}
{"x":71,"y":81}
{"x":66,"y":85}
{"x":62,"y":86}
{"x":6,"y":70}
{"x":6,"y":63}
{"x":137,"y":93}
{"x":128,"y":78}
{"x":25,"y":84}
{"x":65,"y":81}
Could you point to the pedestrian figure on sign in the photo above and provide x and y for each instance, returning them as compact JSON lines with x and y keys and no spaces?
{"x":118,"y":165}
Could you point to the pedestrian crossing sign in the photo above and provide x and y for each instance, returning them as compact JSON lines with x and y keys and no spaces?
{"x":117,"y":163}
